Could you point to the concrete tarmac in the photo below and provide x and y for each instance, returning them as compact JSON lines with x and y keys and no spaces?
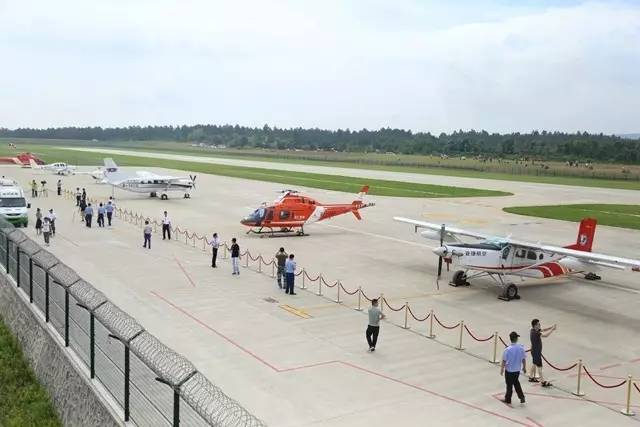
{"x":307,"y":364}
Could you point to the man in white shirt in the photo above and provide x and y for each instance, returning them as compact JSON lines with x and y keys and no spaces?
{"x":52,"y":221}
{"x":215,"y":244}
{"x":290,"y":271}
{"x":166,"y":227}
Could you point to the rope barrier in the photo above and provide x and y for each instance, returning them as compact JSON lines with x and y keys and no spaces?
{"x":417,"y":319}
{"x":600,"y":384}
{"x":559,"y":369}
{"x":365,"y":296}
{"x":443,"y":325}
{"x":384,"y":301}
{"x":476,"y":338}
{"x":636,"y":386}
{"x":347,"y":292}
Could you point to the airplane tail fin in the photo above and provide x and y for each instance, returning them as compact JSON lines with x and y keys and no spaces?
{"x":586,"y":233}
{"x":363,"y":192}
{"x":110,"y":166}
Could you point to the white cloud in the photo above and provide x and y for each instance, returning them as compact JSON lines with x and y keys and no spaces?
{"x":328,"y":64}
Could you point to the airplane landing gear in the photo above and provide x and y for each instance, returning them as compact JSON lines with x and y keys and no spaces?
{"x":153,"y":194}
{"x":164,"y":196}
{"x":510,"y":292}
{"x":459,"y":279}
{"x":187,"y":195}
{"x":592,"y":276}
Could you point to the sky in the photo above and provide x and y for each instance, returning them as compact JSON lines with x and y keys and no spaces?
{"x":424,"y":65}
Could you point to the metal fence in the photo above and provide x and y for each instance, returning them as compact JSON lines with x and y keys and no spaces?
{"x":152,"y":384}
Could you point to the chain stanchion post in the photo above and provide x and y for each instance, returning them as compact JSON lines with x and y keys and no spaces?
{"x":495,"y":348}
{"x":304,"y":273}
{"x":260,"y":264}
{"x":339,"y":285}
{"x":431,"y":335}
{"x":247,"y":254}
{"x":627,"y":409}
{"x":273,"y":270}
{"x":459,"y":347}
{"x":320,"y":286}
{"x":406,"y":315}
{"x":359,"y":298}
{"x":578,"y":391}
{"x":381,"y":303}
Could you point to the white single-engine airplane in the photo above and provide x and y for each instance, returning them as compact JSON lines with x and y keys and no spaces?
{"x":147,"y":182}
{"x":500,"y":257}
{"x":58,"y":168}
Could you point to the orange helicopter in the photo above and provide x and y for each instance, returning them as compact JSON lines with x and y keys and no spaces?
{"x":292,"y":211}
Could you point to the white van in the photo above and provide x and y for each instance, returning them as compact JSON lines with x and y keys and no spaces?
{"x":13,"y":205}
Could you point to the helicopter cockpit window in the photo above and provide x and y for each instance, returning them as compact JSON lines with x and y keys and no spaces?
{"x":284,"y":214}
{"x":257,"y":215}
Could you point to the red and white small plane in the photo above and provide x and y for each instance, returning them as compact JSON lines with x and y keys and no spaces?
{"x":497,"y":258}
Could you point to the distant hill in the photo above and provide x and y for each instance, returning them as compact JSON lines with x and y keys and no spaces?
{"x":629,"y":135}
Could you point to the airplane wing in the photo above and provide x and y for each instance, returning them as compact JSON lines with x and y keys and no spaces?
{"x":436,"y":227}
{"x":588,"y":257}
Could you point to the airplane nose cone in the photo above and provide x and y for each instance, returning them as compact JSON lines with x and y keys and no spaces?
{"x":441,"y":251}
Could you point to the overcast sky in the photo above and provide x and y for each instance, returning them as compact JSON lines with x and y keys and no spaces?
{"x":434,"y":66}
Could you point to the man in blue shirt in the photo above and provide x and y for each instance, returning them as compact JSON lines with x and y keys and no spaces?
{"x":290,"y":271}
{"x":109,"y":209}
{"x":88,"y":214}
{"x":513,"y":359}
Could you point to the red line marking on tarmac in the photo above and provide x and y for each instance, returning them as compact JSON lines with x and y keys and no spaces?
{"x":582,"y":399}
{"x":535,"y":423}
{"x":351,"y":365}
{"x":184,"y":271}
{"x":634,"y":360}
{"x":609,"y":366}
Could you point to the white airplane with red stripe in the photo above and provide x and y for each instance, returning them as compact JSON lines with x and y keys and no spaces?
{"x":499,"y":258}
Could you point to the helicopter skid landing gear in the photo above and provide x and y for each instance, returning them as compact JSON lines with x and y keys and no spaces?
{"x":510,"y":291}
{"x":459,"y":279}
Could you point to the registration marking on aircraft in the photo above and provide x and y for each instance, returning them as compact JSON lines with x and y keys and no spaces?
{"x":295,"y":311}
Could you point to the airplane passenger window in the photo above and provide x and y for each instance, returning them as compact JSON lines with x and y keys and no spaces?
{"x":541,"y":256}
{"x":520,"y":253}
{"x":531,"y":255}
{"x":284,"y":214}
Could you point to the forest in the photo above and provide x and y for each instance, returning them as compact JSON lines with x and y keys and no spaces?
{"x":535,"y":145}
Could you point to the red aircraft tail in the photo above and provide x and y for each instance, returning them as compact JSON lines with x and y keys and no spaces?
{"x":358,"y":204}
{"x":586,"y":234}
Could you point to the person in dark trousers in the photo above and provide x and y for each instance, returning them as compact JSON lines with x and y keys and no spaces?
{"x":536,"y":334}
{"x":52,"y":219}
{"x":513,"y":359}
{"x":290,"y":271}
{"x":84,"y":195}
{"x":78,"y":196}
{"x":101,"y":212}
{"x":166,"y":227}
{"x":281,"y":259}
{"x":38,"y":222}
{"x":235,"y":256}
{"x":215,"y":244}
{"x":59,"y":186}
{"x":82,"y":206}
{"x":46,"y":231}
{"x":373,"y":327}
{"x":109,"y":209}
{"x":147,"y":234}
{"x":34,"y":188}
{"x":88,"y":214}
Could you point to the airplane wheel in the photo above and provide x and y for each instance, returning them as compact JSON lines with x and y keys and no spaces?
{"x":187,"y":195}
{"x":153,"y":194}
{"x":164,"y":197}
{"x":511,"y":292}
{"x":459,"y":278}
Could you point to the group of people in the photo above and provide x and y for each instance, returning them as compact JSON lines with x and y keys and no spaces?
{"x":43,"y":188}
{"x":87,"y":212}
{"x":46,"y":225}
{"x":147,"y":230}
{"x":287,"y":270}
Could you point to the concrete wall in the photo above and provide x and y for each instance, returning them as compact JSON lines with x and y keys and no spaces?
{"x":76,"y":400}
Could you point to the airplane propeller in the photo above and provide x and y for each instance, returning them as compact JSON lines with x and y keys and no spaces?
{"x":193,"y":180}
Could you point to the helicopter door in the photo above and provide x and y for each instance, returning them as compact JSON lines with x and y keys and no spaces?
{"x":269,"y":216}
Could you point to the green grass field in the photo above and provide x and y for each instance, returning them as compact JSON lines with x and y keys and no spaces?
{"x":23,"y":402}
{"x":314,"y":180}
{"x":624,"y":216}
{"x":402,"y":163}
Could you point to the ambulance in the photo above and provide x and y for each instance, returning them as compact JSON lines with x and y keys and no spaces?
{"x":13,"y":205}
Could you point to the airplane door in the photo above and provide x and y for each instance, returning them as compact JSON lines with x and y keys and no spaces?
{"x":506,"y":257}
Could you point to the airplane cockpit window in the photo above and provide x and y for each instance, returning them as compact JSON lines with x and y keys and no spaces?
{"x":531,"y":255}
{"x":284,"y":214}
{"x":505,"y":252}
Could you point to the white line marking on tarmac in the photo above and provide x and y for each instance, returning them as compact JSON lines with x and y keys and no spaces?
{"x":620,"y":288}
{"x":379,"y":236}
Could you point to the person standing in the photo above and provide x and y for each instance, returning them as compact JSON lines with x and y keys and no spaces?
{"x":88,"y":214}
{"x":38,"y":222}
{"x":59,"y":186}
{"x":52,"y":219}
{"x":84,"y":195}
{"x":373,"y":327}
{"x":82,"y":206}
{"x":34,"y":188}
{"x":235,"y":256}
{"x":101,"y":212}
{"x":281,"y":259}
{"x":43,"y":189}
{"x":78,"y":196}
{"x":513,"y":359}
{"x":536,"y":334}
{"x":109,"y":209}
{"x":46,"y":230}
{"x":147,"y":234}
{"x":215,"y":244}
{"x":166,"y":227}
{"x":290,"y":271}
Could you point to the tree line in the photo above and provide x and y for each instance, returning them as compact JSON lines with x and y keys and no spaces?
{"x":540,"y":145}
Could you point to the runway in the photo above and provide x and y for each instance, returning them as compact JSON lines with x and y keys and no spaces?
{"x":297,"y":371}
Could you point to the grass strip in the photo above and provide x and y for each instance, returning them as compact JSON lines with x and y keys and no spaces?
{"x":623,"y":216}
{"x":23,"y":401}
